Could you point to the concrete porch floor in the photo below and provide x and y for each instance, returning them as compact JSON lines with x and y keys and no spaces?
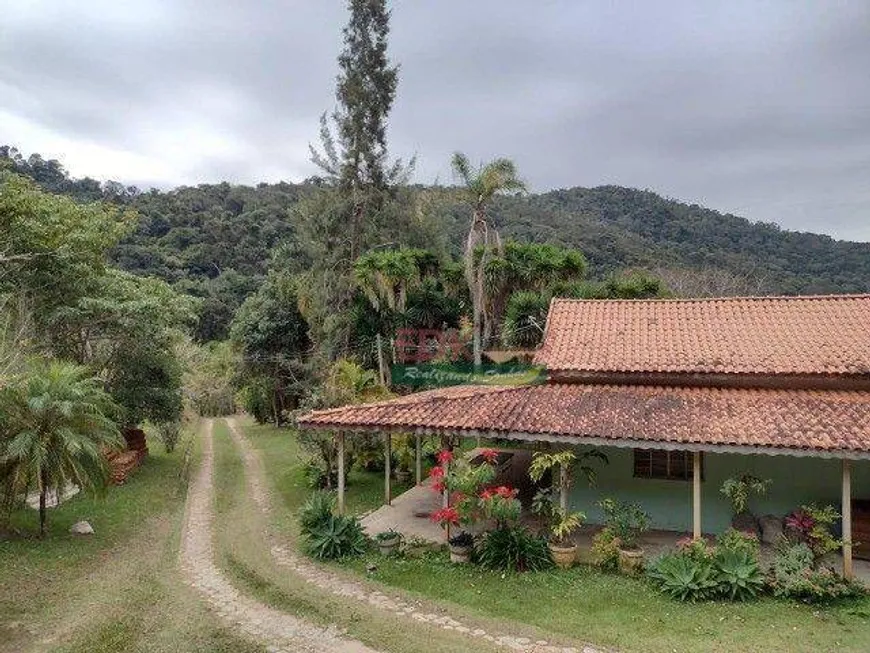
{"x":409,"y":515}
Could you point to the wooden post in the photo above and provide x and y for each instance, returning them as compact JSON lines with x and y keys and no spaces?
{"x":418,"y":458}
{"x":388,"y":460}
{"x":563,"y":488}
{"x":340,"y":472}
{"x":445,"y":495}
{"x":696,"y":495}
{"x":847,"y":519}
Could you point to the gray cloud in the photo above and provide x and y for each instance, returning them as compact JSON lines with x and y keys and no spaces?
{"x":760,"y":108}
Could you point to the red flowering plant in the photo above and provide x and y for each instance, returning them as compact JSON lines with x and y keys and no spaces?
{"x":489,"y":455}
{"x":463,"y":481}
{"x":500,"y":504}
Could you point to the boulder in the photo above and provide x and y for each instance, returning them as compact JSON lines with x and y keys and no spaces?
{"x":81,"y":528}
{"x":771,"y":529}
{"x":745,"y":522}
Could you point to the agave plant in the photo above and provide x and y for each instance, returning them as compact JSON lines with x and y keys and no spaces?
{"x":338,"y":536}
{"x":738,"y":574}
{"x":684,"y":578}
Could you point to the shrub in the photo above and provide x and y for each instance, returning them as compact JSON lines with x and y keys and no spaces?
{"x":170,"y":434}
{"x":513,"y":548}
{"x":734,"y":540}
{"x":338,"y":536}
{"x":813,"y":525}
{"x":314,"y":473}
{"x":626,"y":520}
{"x":605,"y":550}
{"x":793,"y":575}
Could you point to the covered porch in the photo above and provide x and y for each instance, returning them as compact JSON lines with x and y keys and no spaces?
{"x":671,"y":507}
{"x":812,"y":443}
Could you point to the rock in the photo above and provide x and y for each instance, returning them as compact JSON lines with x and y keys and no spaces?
{"x":81,"y":528}
{"x":371,"y":568}
{"x":771,"y":529}
{"x":745,"y":522}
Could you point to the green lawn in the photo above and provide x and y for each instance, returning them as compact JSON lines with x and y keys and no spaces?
{"x":581,"y":604}
{"x":118,"y":590}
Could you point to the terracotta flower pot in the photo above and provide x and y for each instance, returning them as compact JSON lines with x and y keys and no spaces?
{"x":631,"y":561}
{"x":563,"y":556}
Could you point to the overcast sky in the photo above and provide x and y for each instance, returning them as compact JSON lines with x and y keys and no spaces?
{"x":757,"y":108}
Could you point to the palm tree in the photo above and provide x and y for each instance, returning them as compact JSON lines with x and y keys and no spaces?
{"x":481,"y":185}
{"x":57,"y":429}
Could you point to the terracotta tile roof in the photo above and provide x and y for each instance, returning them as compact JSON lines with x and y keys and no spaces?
{"x":793,"y":420}
{"x":827,"y":335}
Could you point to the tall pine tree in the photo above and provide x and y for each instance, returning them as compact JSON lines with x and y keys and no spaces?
{"x":355,"y":157}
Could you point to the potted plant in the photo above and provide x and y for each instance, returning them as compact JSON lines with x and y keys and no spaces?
{"x":558,"y":521}
{"x":562,"y":549}
{"x":558,"y":525}
{"x":626,"y":521}
{"x":404,"y":454}
{"x":461,"y":546}
{"x":388,"y":541}
{"x":739,"y":490}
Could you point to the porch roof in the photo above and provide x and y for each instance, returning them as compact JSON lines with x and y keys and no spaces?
{"x":823,"y":423}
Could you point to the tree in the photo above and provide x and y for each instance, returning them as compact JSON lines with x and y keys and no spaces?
{"x":532,"y":267}
{"x":127,"y":330}
{"x":55,"y":248}
{"x":356,"y":161}
{"x":58,"y":423}
{"x":273,"y":338}
{"x":481,"y":186}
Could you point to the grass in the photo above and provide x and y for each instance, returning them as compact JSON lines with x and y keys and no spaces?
{"x":117,"y":590}
{"x":581,"y":604}
{"x":245,"y":559}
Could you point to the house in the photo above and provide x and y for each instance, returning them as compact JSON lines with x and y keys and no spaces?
{"x":680,"y":394}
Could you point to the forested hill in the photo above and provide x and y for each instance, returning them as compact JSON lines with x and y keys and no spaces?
{"x":619,"y":227}
{"x":215,"y":240}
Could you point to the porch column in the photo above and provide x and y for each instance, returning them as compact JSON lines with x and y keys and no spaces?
{"x":696,"y":495}
{"x":340,"y":438}
{"x":847,"y":519}
{"x":418,"y":458}
{"x":388,"y":461}
{"x":445,"y":494}
{"x":563,"y":488}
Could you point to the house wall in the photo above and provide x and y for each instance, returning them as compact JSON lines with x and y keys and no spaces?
{"x":795,"y":481}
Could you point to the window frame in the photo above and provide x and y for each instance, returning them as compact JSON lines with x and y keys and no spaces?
{"x":650,"y":476}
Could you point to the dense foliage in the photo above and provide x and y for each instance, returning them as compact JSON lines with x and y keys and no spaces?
{"x":796,"y":574}
{"x":182,"y":237}
{"x":512,"y":547}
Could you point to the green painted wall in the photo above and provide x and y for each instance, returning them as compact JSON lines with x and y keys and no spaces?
{"x":796,"y":480}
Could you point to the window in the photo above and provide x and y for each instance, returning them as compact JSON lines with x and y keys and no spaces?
{"x":664,"y":465}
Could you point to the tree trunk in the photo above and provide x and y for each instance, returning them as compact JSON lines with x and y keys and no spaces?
{"x":478,"y":355}
{"x":42,"y":513}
